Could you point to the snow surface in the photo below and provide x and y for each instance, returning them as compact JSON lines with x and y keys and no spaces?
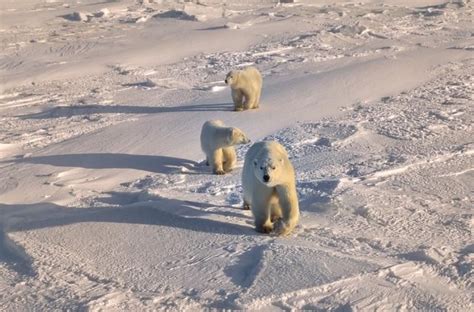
{"x":106,"y":205}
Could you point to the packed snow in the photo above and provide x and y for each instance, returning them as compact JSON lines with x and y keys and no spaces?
{"x":106,"y":203}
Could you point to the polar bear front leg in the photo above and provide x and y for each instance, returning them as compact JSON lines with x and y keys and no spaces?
{"x":217,"y":161}
{"x":230,"y":158}
{"x":261,"y":209}
{"x":289,"y":208}
{"x":275,"y":212}
{"x":237,"y":97}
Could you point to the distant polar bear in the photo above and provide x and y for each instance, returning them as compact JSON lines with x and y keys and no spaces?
{"x":269,"y":186}
{"x":246,"y":87}
{"x":217,"y":142}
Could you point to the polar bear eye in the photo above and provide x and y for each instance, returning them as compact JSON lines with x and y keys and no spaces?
{"x":255,"y":163}
{"x":273,"y":167}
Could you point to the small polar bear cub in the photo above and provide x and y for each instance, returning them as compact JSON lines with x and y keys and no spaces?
{"x":217,"y":142}
{"x":246,"y":86}
{"x":269,"y":187}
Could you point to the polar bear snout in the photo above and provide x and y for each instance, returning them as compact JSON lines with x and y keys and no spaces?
{"x":229,"y":78}
{"x":266,"y":178}
{"x":228,"y":81}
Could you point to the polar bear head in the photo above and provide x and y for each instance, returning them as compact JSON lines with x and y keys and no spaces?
{"x":235,"y":136}
{"x":269,"y":167}
{"x":232,"y":78}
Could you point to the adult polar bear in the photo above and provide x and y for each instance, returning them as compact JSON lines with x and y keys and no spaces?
{"x":269,"y":185}
{"x":217,"y":142}
{"x":245,"y":84}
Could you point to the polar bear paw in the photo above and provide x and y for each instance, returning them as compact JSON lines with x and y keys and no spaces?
{"x":265,"y":229}
{"x":219,"y":172}
{"x":281,"y":228}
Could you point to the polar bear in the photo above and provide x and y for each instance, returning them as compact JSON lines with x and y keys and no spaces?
{"x":217,"y":142}
{"x":246,"y":87}
{"x":269,"y":186}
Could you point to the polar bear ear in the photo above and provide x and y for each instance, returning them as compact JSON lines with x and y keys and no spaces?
{"x":235,"y":74}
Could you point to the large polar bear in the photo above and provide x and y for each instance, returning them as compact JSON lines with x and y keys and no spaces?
{"x":246,"y":85}
{"x":217,"y":142}
{"x":269,"y":185}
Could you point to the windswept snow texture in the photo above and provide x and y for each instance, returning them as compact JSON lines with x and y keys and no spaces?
{"x":106,"y":203}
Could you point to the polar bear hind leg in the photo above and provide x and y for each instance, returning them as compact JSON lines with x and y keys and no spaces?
{"x":249,"y":100}
{"x":257,"y":100}
{"x":230,"y":158}
{"x":217,"y":161}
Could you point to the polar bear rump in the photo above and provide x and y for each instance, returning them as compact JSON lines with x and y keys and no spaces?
{"x":246,"y":88}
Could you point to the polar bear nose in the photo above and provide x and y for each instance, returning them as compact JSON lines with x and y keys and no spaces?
{"x":266,"y":178}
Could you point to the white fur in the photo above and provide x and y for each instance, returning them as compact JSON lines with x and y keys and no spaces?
{"x":274,"y":203}
{"x":246,"y":86}
{"x":217,"y":142}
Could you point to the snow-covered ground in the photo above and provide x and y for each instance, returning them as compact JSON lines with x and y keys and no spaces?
{"x":105,"y":203}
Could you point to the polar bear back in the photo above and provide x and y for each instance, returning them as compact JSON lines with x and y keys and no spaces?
{"x":265,"y":147}
{"x":250,"y":77}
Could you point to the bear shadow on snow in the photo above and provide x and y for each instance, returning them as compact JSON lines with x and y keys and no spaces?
{"x":13,"y":256}
{"x":221,"y":27}
{"x":151,"y":163}
{"x":128,"y":198}
{"x":187,"y":215}
{"x":162,"y":211}
{"x":78,"y":110}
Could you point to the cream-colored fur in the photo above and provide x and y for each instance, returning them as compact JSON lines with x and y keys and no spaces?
{"x":217,"y":142}
{"x":274,"y":202}
{"x":246,"y":86}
